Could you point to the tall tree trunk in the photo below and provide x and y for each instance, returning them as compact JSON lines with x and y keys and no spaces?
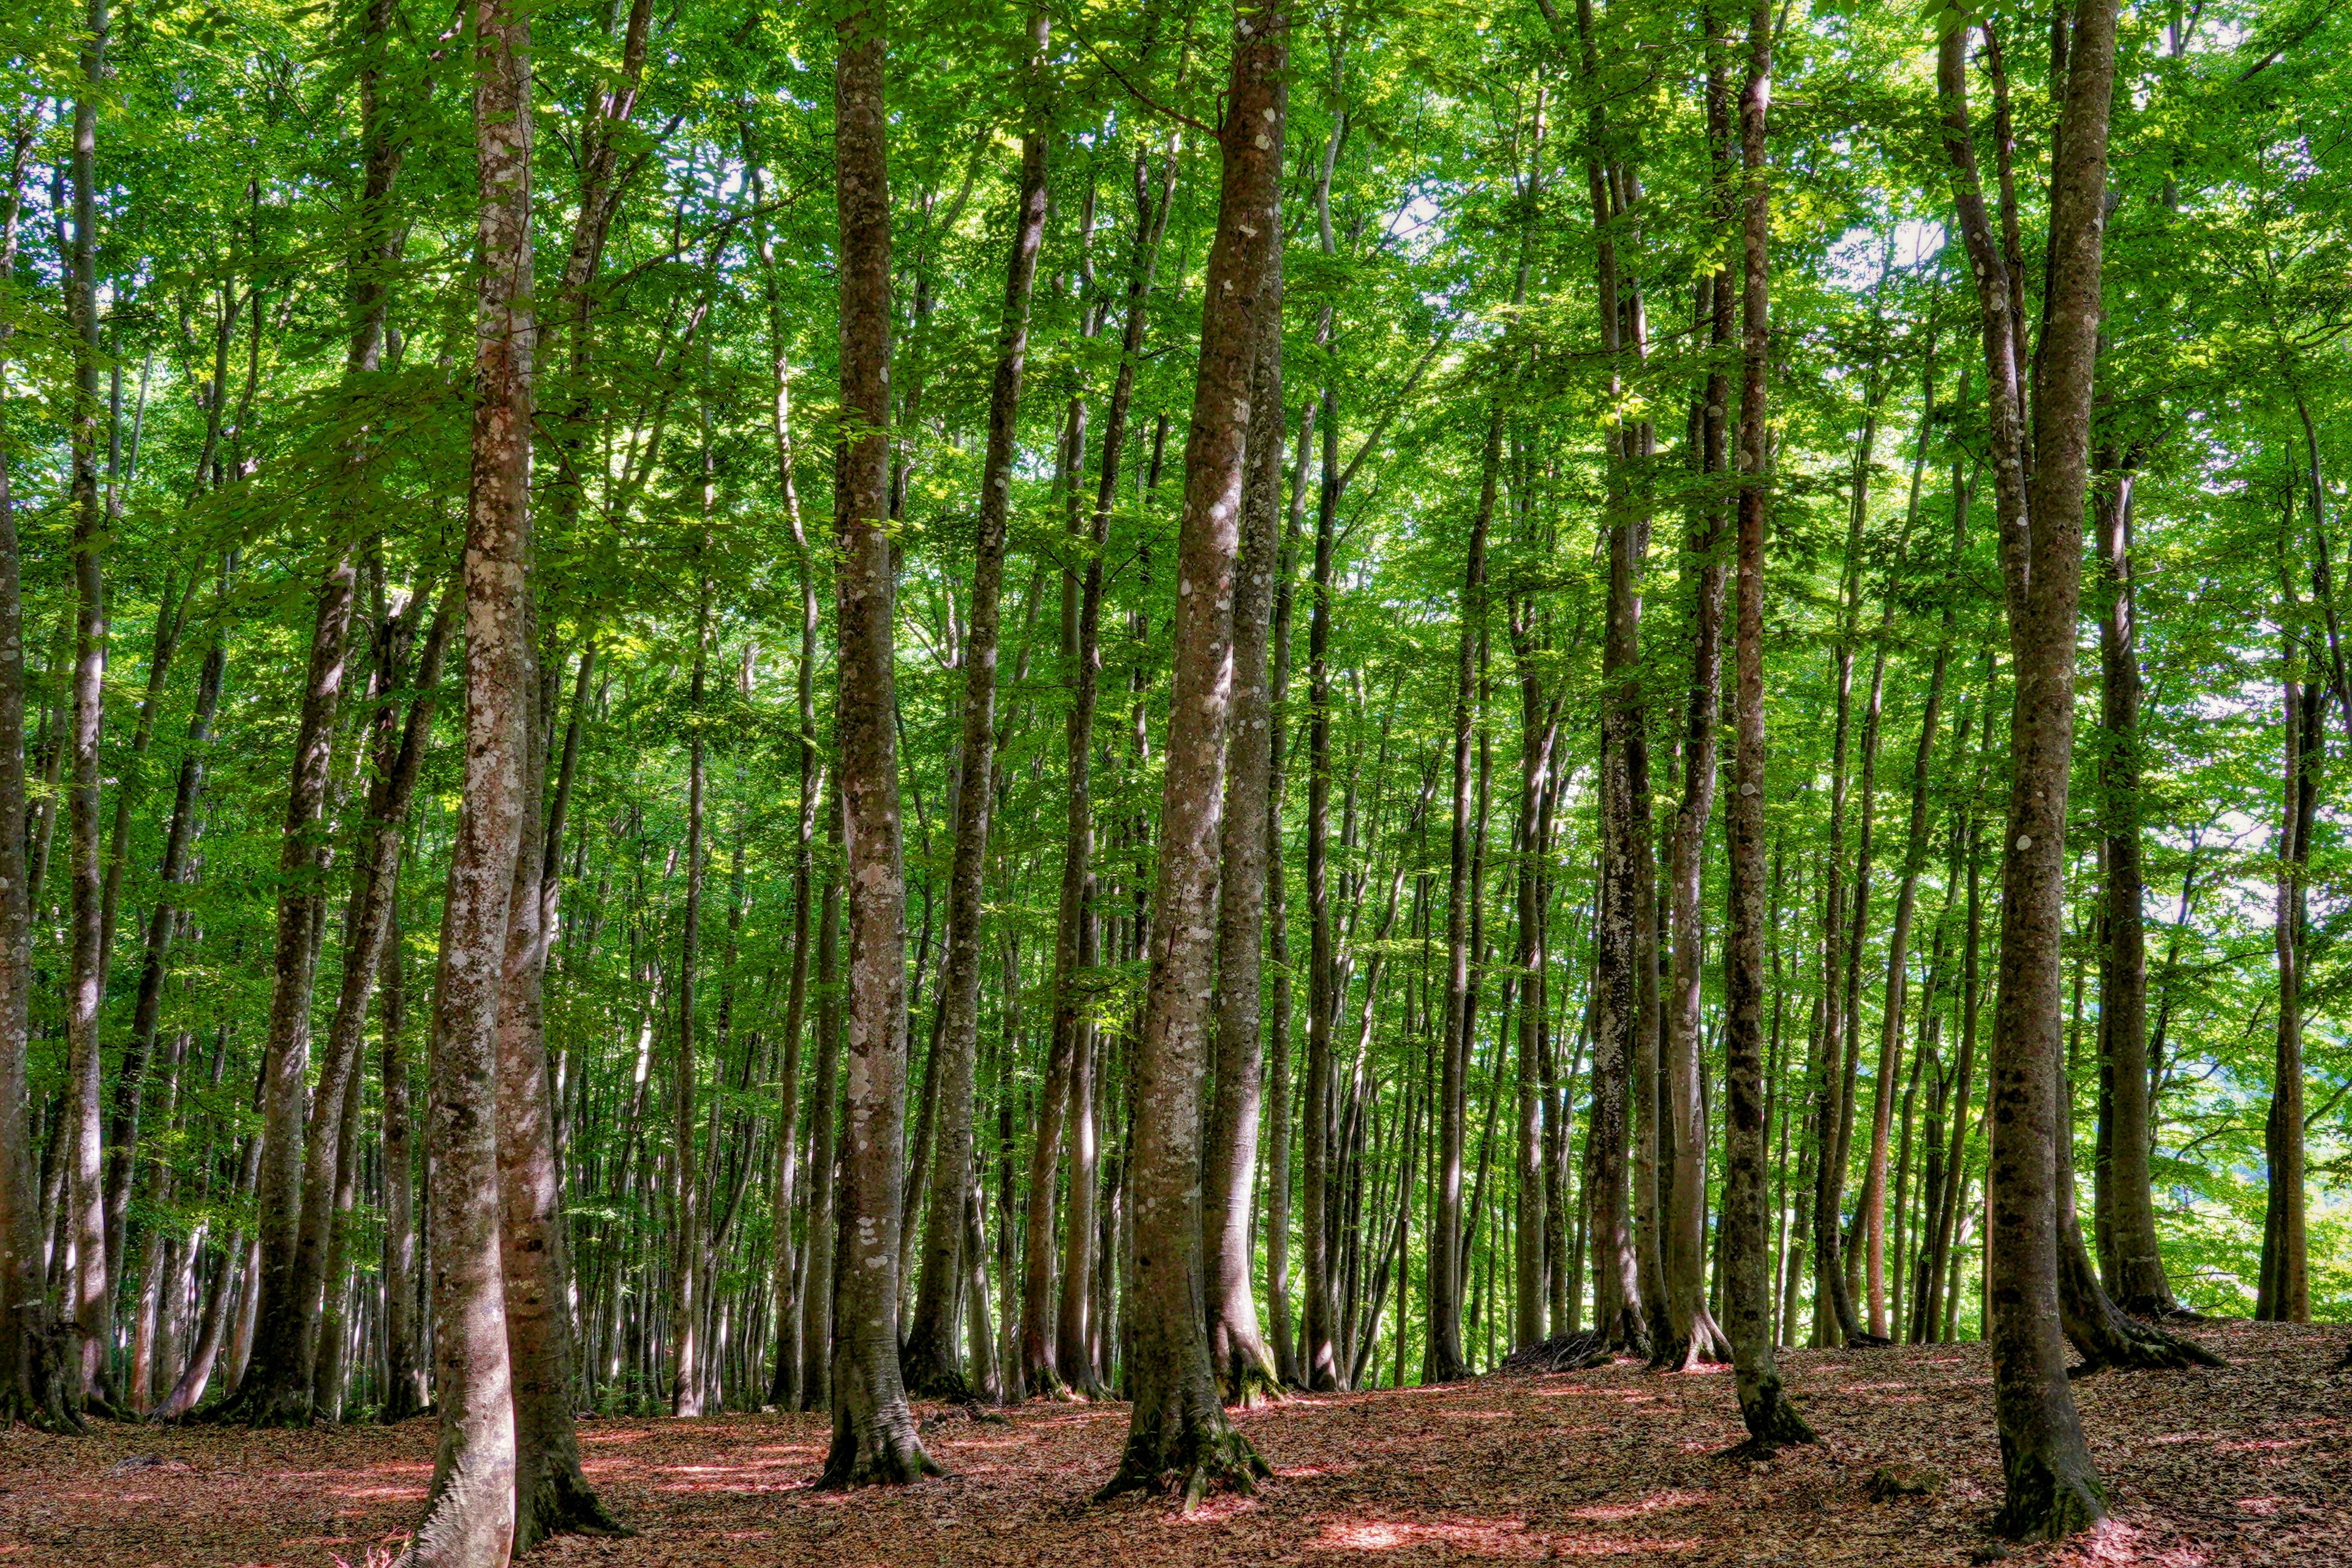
{"x":1244,"y":1363}
{"x":932,"y":1361}
{"x":1178,"y":1437}
{"x":816,"y":1288}
{"x":1442,"y":1358}
{"x":1693,"y":1335}
{"x":2285,"y":1288}
{"x":470,"y":1512}
{"x":1747,"y":1238}
{"x":551,"y":1496}
{"x":30,"y":1383}
{"x":789,"y":1262}
{"x":2136,"y":1279}
{"x":2052,"y":1489}
{"x":1318,"y":1354}
{"x":403,"y":1365}
{"x":90,"y":1290}
{"x":688,"y":1231}
{"x":1278,"y":1094}
{"x":874,"y":1438}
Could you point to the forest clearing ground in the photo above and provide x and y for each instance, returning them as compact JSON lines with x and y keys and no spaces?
{"x":2253,"y":1465}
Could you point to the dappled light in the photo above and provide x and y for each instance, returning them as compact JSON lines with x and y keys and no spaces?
{"x":1506,"y":1469}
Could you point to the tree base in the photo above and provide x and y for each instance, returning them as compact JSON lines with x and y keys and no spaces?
{"x":1206,"y":1456}
{"x":886,"y":1454}
{"x":1773,"y":1423}
{"x":562,"y":1503}
{"x":1048,"y":1385}
{"x":254,"y":1404}
{"x":2108,"y":1340}
{"x":2049,"y":1509}
{"x":934,"y":1377}
{"x":1249,"y":1387}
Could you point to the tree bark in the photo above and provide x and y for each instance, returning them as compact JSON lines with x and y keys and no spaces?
{"x":1747,"y":1237}
{"x":551,"y":1496}
{"x":1178,"y":1437}
{"x":469,"y":1515}
{"x":2136,"y":1276}
{"x":1244,"y":1363}
{"x":404,"y":1366}
{"x":31,"y":1385}
{"x":2052,"y":1490}
{"x":90,"y":1292}
{"x":874,"y":1438}
{"x":932,"y":1361}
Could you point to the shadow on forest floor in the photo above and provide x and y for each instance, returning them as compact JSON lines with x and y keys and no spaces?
{"x":2253,"y":1465}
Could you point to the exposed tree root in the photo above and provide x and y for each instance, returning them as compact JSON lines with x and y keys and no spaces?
{"x":1245,"y":1383}
{"x":1562,"y":1352}
{"x":253,"y":1404}
{"x":2105,"y":1337}
{"x":1198,"y":1457}
{"x":563,"y":1504}
{"x":886,"y":1453}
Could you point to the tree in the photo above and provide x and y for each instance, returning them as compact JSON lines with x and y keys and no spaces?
{"x":470,"y":1512}
{"x":1178,"y":1438}
{"x":874,"y":1438}
{"x":2052,"y":1489}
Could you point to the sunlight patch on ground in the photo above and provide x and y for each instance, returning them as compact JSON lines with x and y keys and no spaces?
{"x":1500,"y":1538}
{"x":1654,"y":1503}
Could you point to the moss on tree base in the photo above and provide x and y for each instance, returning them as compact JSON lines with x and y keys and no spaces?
{"x":1200,"y":1456}
{"x":2042,"y":1504}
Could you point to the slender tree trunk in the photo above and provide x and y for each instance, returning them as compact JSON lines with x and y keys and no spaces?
{"x":1279,"y":1096}
{"x":90,"y":1290}
{"x":2052,"y":1489}
{"x":816,"y":1292}
{"x":686,"y":1238}
{"x":31,"y":1385}
{"x":551,"y":1496}
{"x":404,"y":1390}
{"x":2284,"y":1290}
{"x":874,"y":1438}
{"x":1318,"y":1354}
{"x":470,"y":1512}
{"x":1747,"y":1238}
{"x":1178,"y":1437}
{"x":1693,"y":1335}
{"x":2137,"y":1277}
{"x":932,"y":1359}
{"x":1442,"y":1360}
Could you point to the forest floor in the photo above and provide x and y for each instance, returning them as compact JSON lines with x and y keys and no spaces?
{"x":2251,"y":1465}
